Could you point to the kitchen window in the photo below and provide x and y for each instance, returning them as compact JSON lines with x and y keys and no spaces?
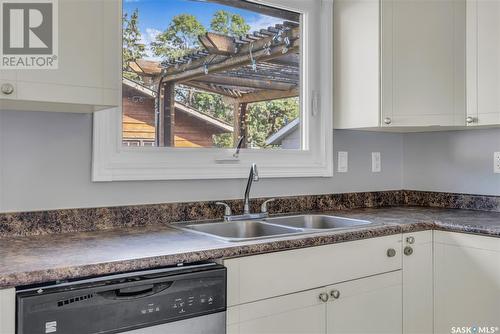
{"x":201,"y":79}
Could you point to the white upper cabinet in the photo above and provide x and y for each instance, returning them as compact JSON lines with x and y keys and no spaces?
{"x":88,"y":75}
{"x":483,"y":62}
{"x":399,"y":64}
{"x":356,"y":69}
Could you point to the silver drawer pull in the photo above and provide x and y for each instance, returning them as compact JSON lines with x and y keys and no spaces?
{"x":408,"y":251}
{"x":335,"y":294}
{"x":323,"y":297}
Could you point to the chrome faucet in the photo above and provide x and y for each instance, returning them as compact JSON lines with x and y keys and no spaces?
{"x":252,"y":177}
{"x":247,"y":214}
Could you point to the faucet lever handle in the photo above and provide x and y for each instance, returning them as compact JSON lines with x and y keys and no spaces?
{"x":227,"y":208}
{"x":263,"y":207}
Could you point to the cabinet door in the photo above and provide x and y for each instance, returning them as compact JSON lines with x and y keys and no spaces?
{"x":467,"y":282}
{"x":89,"y":55}
{"x":264,"y":276}
{"x":417,"y":283}
{"x":483,"y":62}
{"x":356,"y":70}
{"x":423,"y":62}
{"x":365,"y":306}
{"x":298,"y":313}
{"x":7,"y":311}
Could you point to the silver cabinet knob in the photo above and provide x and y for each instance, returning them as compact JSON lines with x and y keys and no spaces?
{"x":391,"y":252}
{"x":335,"y":294}
{"x":410,"y":240}
{"x":408,"y":251}
{"x":323,"y":297}
{"x":469,"y":120}
{"x":7,"y":88}
{"x":387,"y":120}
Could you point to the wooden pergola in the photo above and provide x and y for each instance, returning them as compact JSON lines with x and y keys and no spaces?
{"x":257,"y":67}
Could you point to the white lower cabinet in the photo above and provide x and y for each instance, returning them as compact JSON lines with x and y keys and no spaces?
{"x":7,"y":311}
{"x":349,"y":287}
{"x":258,"y":277}
{"x":366,"y":306}
{"x":466,"y":283}
{"x":417,"y":283}
{"x":301,"y":312}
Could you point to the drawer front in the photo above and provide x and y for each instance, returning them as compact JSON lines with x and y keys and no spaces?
{"x":298,"y":313}
{"x":269,"y":275}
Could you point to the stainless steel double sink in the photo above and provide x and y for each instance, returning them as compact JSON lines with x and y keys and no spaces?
{"x":274,"y":227}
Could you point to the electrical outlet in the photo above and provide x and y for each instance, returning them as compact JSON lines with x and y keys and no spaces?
{"x":376,"y":162}
{"x":496,"y":162}
{"x":343,"y":162}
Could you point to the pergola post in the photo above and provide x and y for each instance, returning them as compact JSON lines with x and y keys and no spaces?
{"x":243,"y":124}
{"x":168,"y":119}
{"x":240,"y":123}
{"x":236,"y":122}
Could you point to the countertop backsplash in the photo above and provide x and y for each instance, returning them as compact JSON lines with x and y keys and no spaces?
{"x":85,"y":220}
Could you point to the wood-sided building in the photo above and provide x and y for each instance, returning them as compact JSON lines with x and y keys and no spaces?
{"x":192,"y":128}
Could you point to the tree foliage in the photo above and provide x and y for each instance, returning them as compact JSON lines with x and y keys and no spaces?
{"x":229,"y":24}
{"x":180,"y":38}
{"x":266,"y":118}
{"x":132,"y":48}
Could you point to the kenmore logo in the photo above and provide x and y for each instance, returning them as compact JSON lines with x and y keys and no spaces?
{"x":51,"y":327}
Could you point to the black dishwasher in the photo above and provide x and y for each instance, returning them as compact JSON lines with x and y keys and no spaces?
{"x":180,"y":300}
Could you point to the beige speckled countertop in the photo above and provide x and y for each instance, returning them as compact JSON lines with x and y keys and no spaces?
{"x":28,"y":260}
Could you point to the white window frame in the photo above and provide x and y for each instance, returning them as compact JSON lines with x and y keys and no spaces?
{"x":113,"y":162}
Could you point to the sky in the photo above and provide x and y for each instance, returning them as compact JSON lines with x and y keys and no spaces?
{"x":155,"y":15}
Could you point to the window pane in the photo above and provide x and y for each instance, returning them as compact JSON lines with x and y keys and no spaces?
{"x":209,"y":73}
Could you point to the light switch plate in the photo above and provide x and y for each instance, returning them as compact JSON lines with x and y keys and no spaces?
{"x":343,"y":162}
{"x":376,"y":162}
{"x":496,"y":162}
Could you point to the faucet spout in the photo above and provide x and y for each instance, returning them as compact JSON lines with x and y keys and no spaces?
{"x":252,"y":177}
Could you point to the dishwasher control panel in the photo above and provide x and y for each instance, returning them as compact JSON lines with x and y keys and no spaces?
{"x":112,"y":305}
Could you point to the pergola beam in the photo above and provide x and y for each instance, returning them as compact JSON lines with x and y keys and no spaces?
{"x":291,"y":59}
{"x":245,"y":82}
{"x":216,"y":90}
{"x":262,"y":50}
{"x":265,"y":96}
{"x":218,"y":44}
{"x":230,"y":63}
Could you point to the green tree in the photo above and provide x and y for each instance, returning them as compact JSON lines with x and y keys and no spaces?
{"x":180,"y":38}
{"x":266,"y":118}
{"x":229,"y":24}
{"x":132,"y":48}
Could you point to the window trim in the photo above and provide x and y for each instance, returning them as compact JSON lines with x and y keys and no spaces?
{"x":113,"y":162}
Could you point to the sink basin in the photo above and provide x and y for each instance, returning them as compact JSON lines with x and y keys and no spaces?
{"x":316,"y":222}
{"x":243,"y":230}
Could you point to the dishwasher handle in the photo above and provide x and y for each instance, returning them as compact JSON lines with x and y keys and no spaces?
{"x":136,"y":292}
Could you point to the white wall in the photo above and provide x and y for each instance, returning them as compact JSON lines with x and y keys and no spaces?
{"x":455,"y":161}
{"x":45,"y":163}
